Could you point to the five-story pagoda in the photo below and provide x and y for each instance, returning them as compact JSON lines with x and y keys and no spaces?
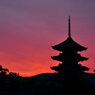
{"x":69,"y":56}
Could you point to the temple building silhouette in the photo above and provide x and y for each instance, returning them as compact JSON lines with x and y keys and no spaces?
{"x":69,"y":56}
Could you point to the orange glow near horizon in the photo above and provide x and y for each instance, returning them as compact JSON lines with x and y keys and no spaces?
{"x":28,"y":29}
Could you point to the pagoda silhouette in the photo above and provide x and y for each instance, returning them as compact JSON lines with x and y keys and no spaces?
{"x":69,"y":57}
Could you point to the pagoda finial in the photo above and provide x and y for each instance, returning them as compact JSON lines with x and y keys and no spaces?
{"x":69,"y":28}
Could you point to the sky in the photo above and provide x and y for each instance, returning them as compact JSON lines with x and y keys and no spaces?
{"x":28,"y":29}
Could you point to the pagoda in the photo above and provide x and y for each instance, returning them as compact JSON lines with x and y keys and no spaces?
{"x":69,"y":56}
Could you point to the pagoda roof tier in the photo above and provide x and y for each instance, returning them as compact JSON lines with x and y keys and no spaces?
{"x":61,"y":58}
{"x":69,"y":44}
{"x":61,"y":67}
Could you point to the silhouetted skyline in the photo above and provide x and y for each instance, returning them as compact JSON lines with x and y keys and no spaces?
{"x":28,"y":29}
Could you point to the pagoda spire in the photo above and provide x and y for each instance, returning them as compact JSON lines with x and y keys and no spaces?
{"x":69,"y":28}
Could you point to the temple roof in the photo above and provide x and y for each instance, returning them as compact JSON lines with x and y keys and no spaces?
{"x":69,"y":43}
{"x":77,"y":57}
{"x":71,"y":68}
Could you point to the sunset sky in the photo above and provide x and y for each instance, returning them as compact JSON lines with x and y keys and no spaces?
{"x":28,"y":29}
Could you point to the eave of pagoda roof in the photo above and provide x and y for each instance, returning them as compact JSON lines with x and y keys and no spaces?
{"x":69,"y":44}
